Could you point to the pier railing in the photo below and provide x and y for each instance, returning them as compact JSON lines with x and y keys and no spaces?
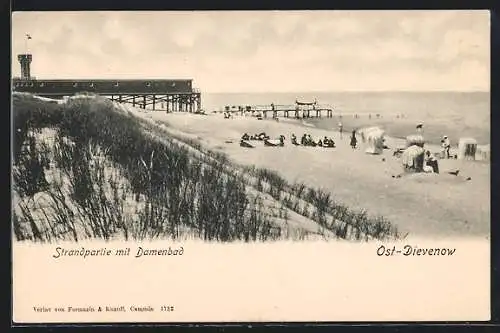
{"x":285,"y":111}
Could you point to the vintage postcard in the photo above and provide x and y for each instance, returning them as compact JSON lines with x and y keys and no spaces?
{"x":250,"y":166}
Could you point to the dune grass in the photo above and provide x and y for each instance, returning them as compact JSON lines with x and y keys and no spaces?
{"x":319,"y":205}
{"x":312,"y":203}
{"x":173,"y":192}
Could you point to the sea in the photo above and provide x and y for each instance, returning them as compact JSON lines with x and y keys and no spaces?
{"x":455,"y":114}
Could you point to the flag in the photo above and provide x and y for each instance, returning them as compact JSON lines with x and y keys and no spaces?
{"x":28,"y":36}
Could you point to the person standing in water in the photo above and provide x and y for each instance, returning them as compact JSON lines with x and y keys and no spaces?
{"x":340,"y":129}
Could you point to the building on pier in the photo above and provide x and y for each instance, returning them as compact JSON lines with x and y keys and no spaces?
{"x":171,"y":95}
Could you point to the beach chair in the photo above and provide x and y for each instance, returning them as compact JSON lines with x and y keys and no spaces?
{"x":467,"y":148}
{"x":413,"y":159}
{"x":415,"y":140}
{"x":374,"y":140}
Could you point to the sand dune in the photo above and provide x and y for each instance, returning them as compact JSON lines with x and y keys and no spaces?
{"x":421,"y":204}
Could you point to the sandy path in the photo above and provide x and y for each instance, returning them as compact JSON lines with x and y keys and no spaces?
{"x":431,"y":205}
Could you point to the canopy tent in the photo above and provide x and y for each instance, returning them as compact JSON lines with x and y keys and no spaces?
{"x":413,"y":159}
{"x":415,"y":140}
{"x":467,"y":148}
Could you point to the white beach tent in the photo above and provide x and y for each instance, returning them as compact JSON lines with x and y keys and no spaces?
{"x":374,"y":137}
{"x":415,"y":140}
{"x":413,"y":159}
{"x":467,"y":148}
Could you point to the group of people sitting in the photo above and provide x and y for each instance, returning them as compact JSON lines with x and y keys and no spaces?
{"x":307,"y":140}
{"x":261,"y":136}
{"x":279,"y":142}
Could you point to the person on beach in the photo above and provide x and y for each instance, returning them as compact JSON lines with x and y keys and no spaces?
{"x":340,"y":128}
{"x":354,"y":141}
{"x":328,"y":142}
{"x":445,"y":143}
{"x":309,"y":141}
{"x":431,"y":163}
{"x":420,"y":128}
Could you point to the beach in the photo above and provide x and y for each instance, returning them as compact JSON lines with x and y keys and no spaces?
{"x":428,"y":205}
{"x":455,"y":114}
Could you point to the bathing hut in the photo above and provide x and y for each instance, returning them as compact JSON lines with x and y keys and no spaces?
{"x":467,"y":148}
{"x":413,"y":159}
{"x":364,"y":132}
{"x":374,"y":137}
{"x":483,"y":152}
{"x":415,"y":140}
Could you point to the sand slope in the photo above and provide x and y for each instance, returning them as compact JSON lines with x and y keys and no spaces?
{"x":430,"y":205}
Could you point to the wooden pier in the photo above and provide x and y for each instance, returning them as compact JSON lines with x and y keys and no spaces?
{"x":286,"y":111}
{"x":170,"y":102}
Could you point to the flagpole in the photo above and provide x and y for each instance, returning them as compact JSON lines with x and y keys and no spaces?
{"x":28,"y":37}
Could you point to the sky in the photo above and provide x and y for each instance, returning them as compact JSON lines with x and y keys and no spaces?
{"x":263,"y":51}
